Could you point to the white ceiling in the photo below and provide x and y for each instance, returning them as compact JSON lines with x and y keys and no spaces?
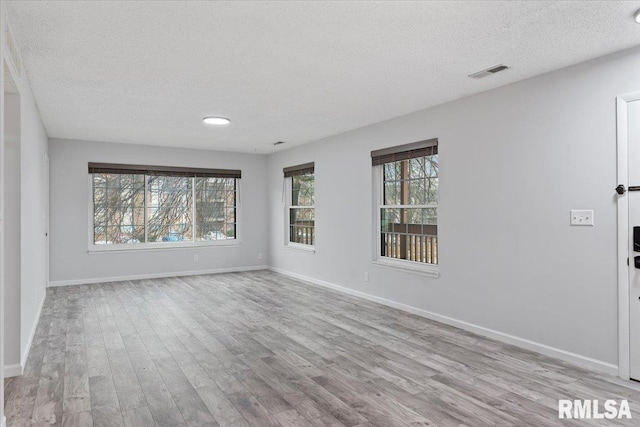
{"x":147,"y":71}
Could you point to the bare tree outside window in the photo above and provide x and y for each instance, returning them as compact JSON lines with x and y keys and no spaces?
{"x":118,"y":202}
{"x":138,"y":208}
{"x":169,"y":209}
{"x":215,"y":208}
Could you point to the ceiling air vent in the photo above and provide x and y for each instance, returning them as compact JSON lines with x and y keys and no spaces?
{"x":492,"y":70}
{"x":13,"y":53}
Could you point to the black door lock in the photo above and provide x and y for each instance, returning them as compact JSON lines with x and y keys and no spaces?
{"x":621,"y":190}
{"x":636,"y":239}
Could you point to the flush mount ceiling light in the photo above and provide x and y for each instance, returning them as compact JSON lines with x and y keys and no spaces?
{"x":636,"y":16}
{"x":216,"y":121}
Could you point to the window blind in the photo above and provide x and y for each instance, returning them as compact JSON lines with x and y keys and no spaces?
{"x":299,"y":170}
{"x":428,"y":147}
{"x":114,"y":168}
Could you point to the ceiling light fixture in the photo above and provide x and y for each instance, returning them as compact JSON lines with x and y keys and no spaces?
{"x":636,"y":16}
{"x":216,"y":121}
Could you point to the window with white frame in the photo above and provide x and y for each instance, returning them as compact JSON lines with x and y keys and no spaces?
{"x":138,"y":205}
{"x":407,"y":203}
{"x":300,"y":215}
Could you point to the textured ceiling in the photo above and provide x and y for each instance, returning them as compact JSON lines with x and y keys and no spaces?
{"x":147,"y":71}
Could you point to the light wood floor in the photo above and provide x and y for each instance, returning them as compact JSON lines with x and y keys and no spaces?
{"x":262,"y":349}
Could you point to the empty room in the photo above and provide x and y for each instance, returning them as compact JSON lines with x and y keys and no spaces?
{"x":229,"y":213}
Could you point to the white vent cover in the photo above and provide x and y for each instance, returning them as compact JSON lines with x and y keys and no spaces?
{"x":489,"y":71}
{"x":14,"y":56}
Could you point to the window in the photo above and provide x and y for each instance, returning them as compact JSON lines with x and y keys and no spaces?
{"x":407,"y":203}
{"x":300,"y":204}
{"x":137,"y":205}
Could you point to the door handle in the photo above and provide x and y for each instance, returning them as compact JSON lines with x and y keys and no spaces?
{"x":621,"y":190}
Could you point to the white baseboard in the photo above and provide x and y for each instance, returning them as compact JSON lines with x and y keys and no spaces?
{"x":13,"y":370}
{"x":577,"y":359}
{"x":27,"y":349}
{"x":4,"y":421}
{"x":154,"y":276}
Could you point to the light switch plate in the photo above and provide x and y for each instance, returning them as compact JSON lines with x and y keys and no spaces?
{"x":582,"y":217}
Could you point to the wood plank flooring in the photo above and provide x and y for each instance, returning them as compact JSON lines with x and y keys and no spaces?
{"x":260,"y":349}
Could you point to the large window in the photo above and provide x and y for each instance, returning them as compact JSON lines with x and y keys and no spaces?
{"x":407,"y":203}
{"x":137,"y":205}
{"x":300,"y":204}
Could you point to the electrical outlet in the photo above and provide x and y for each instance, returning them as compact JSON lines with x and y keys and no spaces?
{"x":259,"y":255}
{"x":195,"y":258}
{"x":366,"y":276}
{"x":582,"y":217}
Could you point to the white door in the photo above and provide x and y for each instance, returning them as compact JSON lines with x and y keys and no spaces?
{"x":633,"y":111}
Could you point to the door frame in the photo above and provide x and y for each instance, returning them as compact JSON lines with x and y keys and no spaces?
{"x":624,"y":327}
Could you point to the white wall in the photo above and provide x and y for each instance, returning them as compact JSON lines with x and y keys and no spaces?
{"x":3,"y":419}
{"x":69,"y":221}
{"x":514,"y":161}
{"x":23,"y":260}
{"x":33,"y":183}
{"x":12,"y":230}
{"x":25,"y":242}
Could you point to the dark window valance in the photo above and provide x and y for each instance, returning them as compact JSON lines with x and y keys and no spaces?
{"x":299,"y":169}
{"x":428,"y":147}
{"x":114,"y":168}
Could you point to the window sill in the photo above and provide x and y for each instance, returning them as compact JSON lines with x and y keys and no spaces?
{"x":301,"y":248}
{"x":408,"y":267}
{"x":142,"y":247}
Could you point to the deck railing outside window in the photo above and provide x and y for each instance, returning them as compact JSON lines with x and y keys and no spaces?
{"x":302,"y":232}
{"x":411,"y":247}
